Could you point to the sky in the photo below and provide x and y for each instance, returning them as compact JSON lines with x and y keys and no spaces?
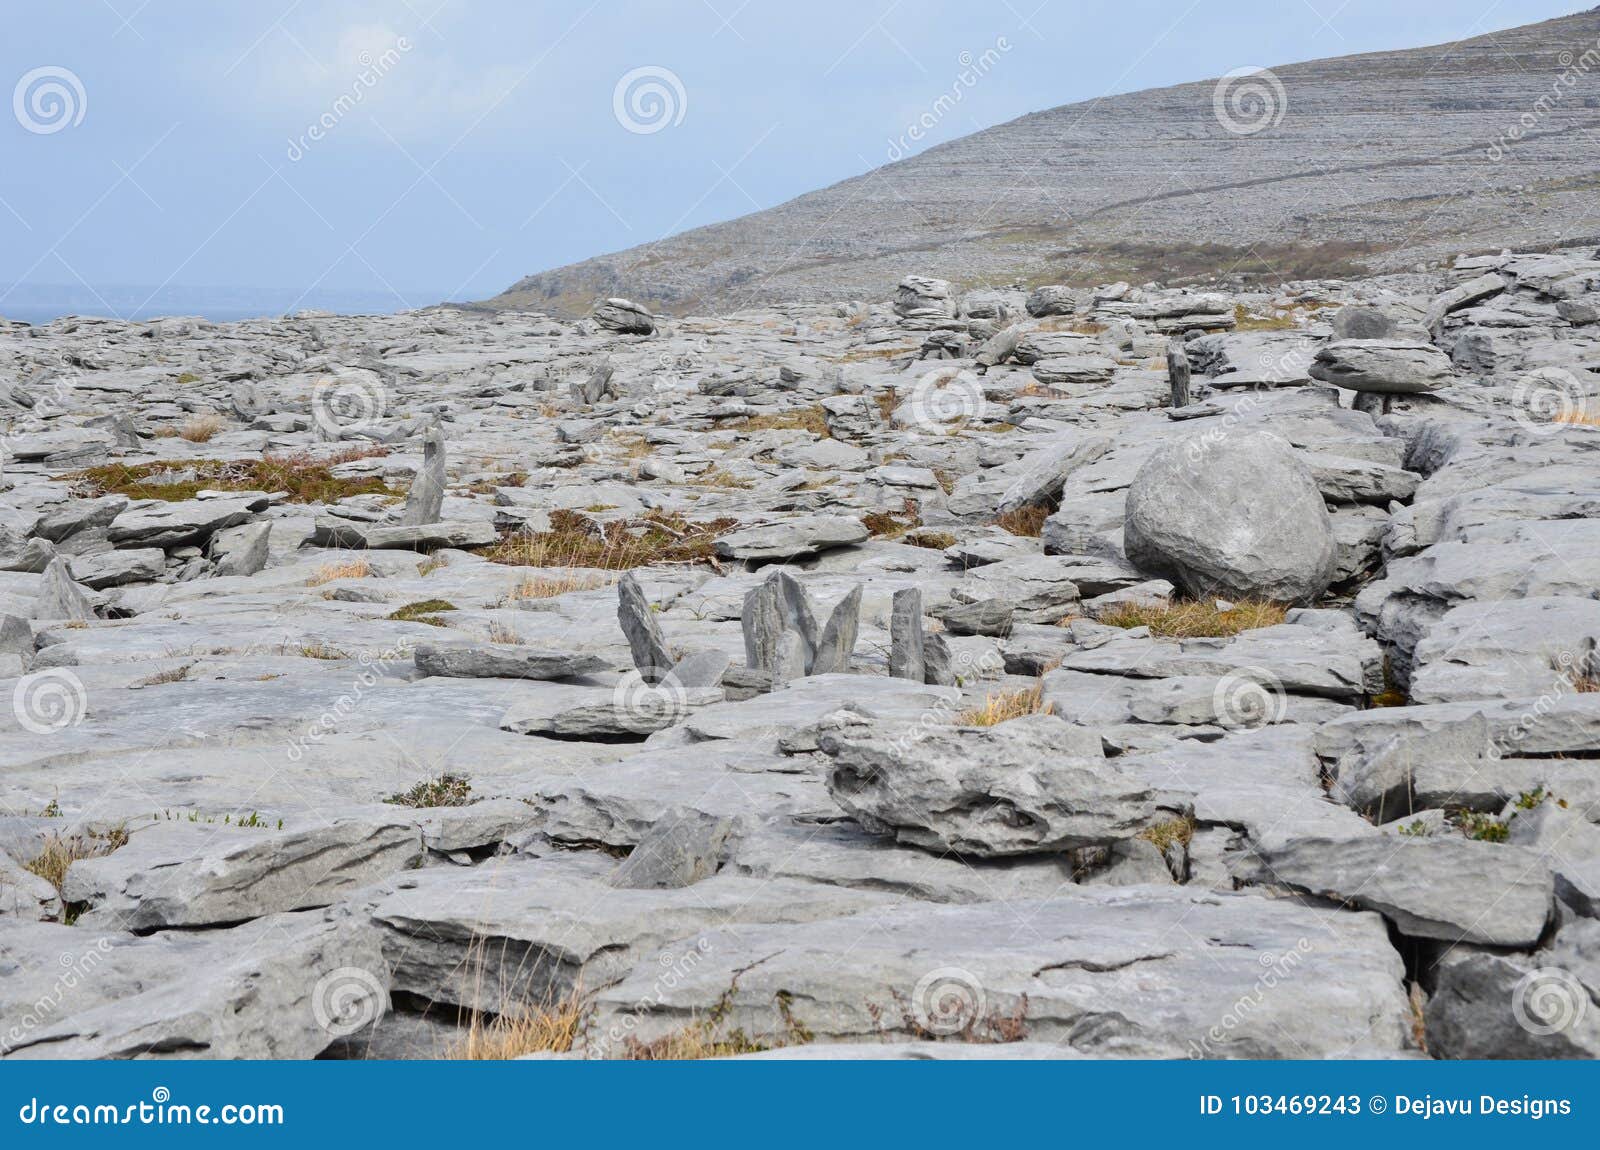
{"x":412,"y":151}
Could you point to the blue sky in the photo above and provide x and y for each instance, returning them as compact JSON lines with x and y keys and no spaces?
{"x":492,"y":139}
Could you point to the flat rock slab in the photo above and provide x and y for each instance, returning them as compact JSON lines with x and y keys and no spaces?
{"x":524,"y":931}
{"x":505,"y":662}
{"x":403,"y":537}
{"x":285,"y":986}
{"x":1435,"y":887}
{"x":791,"y":715}
{"x":1138,"y":972}
{"x":792,"y":538}
{"x":631,"y":710}
{"x":169,"y":525}
{"x":1034,"y":785}
{"x":181,"y":874}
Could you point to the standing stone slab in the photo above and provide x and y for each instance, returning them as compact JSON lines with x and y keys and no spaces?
{"x":638,"y":621}
{"x":60,"y":597}
{"x":906,"y":658}
{"x":425,"y":500}
{"x":839,"y":636}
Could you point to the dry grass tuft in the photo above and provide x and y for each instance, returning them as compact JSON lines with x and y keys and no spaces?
{"x":550,"y":1028}
{"x":1580,"y":418}
{"x":61,"y":851}
{"x":1186,"y":620}
{"x":317,"y":649}
{"x":720,"y":478}
{"x":1007,"y":705}
{"x":887,"y":400}
{"x":621,"y":545}
{"x":350,"y":569}
{"x":549,"y":586}
{"x":893,"y":524}
{"x":933,"y":540}
{"x":504,"y":633}
{"x":1025,"y":521}
{"x":1169,"y":833}
{"x":201,"y":428}
{"x":448,"y":790}
{"x":306,"y":478}
{"x":801,"y":419}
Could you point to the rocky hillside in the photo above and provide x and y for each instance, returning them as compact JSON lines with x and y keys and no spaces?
{"x":1371,"y":162}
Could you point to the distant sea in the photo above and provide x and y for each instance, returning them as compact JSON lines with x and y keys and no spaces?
{"x":42,"y":303}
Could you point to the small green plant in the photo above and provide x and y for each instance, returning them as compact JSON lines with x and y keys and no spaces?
{"x":1480,"y":827}
{"x":448,"y":790}
{"x":426,"y":611}
{"x":1416,"y":829}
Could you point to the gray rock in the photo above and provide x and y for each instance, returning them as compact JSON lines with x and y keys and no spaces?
{"x":239,"y":551}
{"x":505,"y":662}
{"x":638,"y":622}
{"x":402,"y":537}
{"x":114,"y":568}
{"x":838,"y":640}
{"x":1383,"y":366}
{"x":677,"y":852}
{"x":60,"y":597}
{"x":169,"y":525}
{"x":1443,"y":888}
{"x":425,"y":500}
{"x":285,"y":986}
{"x":624,"y":317}
{"x":1362,"y":323}
{"x":1030,"y":785}
{"x":1133,"y":972}
{"x":906,"y":656}
{"x":181,"y":874}
{"x":791,"y":538}
{"x":938,"y":665}
{"x":1236,"y":515}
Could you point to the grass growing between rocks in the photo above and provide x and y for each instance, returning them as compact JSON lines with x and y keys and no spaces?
{"x":448,"y":790}
{"x":425,"y":611}
{"x":1006,"y":705}
{"x":933,"y":540}
{"x":306,"y":478}
{"x":551,"y":1028}
{"x":1193,"y":620}
{"x":201,"y":428}
{"x":550,"y":586}
{"x":892,"y":524}
{"x":328,"y":572}
{"x":574,"y":540}
{"x":1027,"y":522}
{"x":802,"y":419}
{"x":61,"y":851}
{"x":1173,"y":832}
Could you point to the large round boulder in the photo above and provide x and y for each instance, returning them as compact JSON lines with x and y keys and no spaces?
{"x":1231,"y":513}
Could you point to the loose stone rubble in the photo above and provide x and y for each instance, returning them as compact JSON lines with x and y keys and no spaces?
{"x":747,"y":680}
